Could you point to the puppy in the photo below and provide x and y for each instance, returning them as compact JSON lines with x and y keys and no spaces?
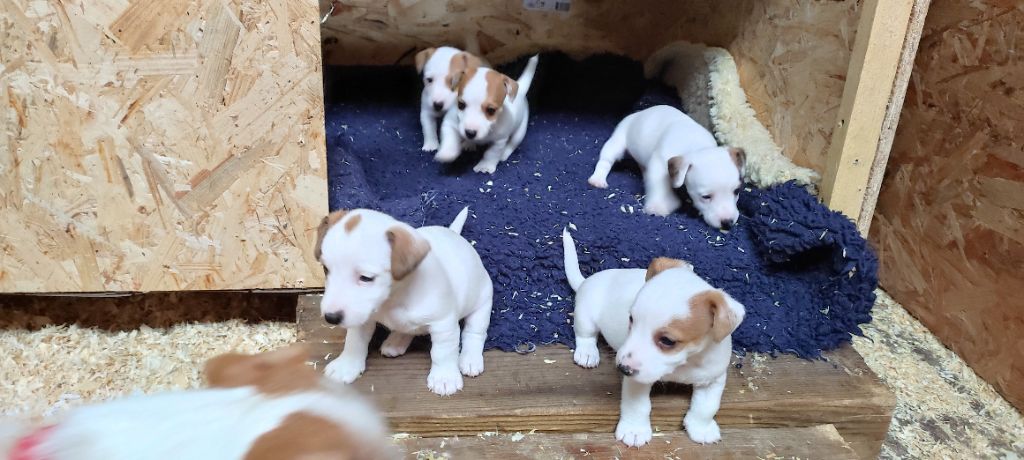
{"x":491,"y":109}
{"x":667,"y":324}
{"x":266,"y":406}
{"x":673,"y":151}
{"x":439,"y":68}
{"x":414,"y":281}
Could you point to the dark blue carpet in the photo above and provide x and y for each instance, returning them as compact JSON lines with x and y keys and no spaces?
{"x":805,"y":275}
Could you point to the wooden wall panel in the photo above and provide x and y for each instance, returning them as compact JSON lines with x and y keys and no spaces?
{"x":160,"y":145}
{"x":792,"y":54}
{"x":949,"y":225}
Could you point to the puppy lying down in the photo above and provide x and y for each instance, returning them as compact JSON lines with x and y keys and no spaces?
{"x":667,"y":324}
{"x":266,"y":406}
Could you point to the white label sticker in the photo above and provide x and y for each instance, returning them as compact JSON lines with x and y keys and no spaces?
{"x":547,"y":5}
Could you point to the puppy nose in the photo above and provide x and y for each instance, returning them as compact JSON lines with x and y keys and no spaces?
{"x":626,"y":370}
{"x":334,"y":318}
{"x":471,"y":133}
{"x":727,"y":224}
{"x":438,"y":106}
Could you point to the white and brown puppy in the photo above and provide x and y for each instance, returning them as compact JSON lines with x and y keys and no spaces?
{"x":491,"y":110}
{"x":667,"y":324}
{"x":440,"y":68}
{"x":414,"y":281}
{"x":674,"y":151}
{"x":265,"y":406}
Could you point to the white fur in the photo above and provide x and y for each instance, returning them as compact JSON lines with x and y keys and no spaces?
{"x":214,"y":424}
{"x":449,"y":285}
{"x":653,"y":137}
{"x":435,"y":90}
{"x":502,"y":136}
{"x":608,"y":301}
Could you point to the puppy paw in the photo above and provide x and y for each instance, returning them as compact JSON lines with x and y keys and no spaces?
{"x":471,"y":365}
{"x":633,"y":434}
{"x":702,"y":432}
{"x":444,"y":381}
{"x":446,"y":155}
{"x":395,"y":345}
{"x":345,"y":370}
{"x":429,"y":146}
{"x":598,"y":182}
{"x":483,"y":167}
{"x":657,"y":208}
{"x":587,"y":357}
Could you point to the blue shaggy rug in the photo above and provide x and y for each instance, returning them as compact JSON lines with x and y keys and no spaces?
{"x":805,"y":275}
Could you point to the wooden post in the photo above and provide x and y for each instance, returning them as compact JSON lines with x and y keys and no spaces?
{"x":871,"y":83}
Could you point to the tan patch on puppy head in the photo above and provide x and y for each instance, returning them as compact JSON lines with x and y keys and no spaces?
{"x":422,"y":57}
{"x":460,"y":69}
{"x":499,"y":86}
{"x":407,"y":251}
{"x":677,"y":168}
{"x":274,"y":372}
{"x":660,"y":264}
{"x":712,"y":301}
{"x":352,"y":223}
{"x":739,"y":158}
{"x":709,"y":315}
{"x":307,"y":436}
{"x":326,"y":225}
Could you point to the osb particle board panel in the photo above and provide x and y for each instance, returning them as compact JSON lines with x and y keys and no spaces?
{"x":948,"y":225}
{"x":792,"y":55}
{"x":160,"y":145}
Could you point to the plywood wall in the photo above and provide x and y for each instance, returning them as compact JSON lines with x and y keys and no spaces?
{"x":792,"y":54}
{"x":949,"y":225}
{"x":160,"y":145}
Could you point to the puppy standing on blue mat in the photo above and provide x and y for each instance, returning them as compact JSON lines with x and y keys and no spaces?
{"x":667,"y":324}
{"x":491,"y":108}
{"x":440,"y":68}
{"x":674,"y":151}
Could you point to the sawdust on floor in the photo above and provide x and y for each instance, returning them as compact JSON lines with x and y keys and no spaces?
{"x":159,"y":341}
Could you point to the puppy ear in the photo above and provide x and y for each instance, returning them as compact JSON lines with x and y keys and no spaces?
{"x":232,"y":370}
{"x":725,"y":318}
{"x":511,"y":87}
{"x":407,"y":251}
{"x":660,"y":264}
{"x":325,"y":224}
{"x":739,"y":158}
{"x":462,"y":64}
{"x":677,"y":169}
{"x":422,"y":57}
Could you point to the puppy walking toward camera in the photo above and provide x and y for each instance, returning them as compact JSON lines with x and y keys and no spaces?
{"x":491,"y":109}
{"x":414,"y":281}
{"x":674,"y":151}
{"x":667,"y":324}
{"x":439,"y":68}
{"x":257,"y":407}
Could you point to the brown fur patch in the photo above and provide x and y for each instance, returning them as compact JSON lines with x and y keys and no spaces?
{"x":407,"y":251}
{"x":460,"y":69}
{"x":306,"y":436}
{"x":660,"y":264}
{"x":677,"y":168}
{"x":352,"y":223}
{"x":739,"y":158}
{"x":499,"y":86}
{"x":275,"y":372}
{"x":325,"y":225}
{"x":709,"y":315}
{"x":422,"y":57}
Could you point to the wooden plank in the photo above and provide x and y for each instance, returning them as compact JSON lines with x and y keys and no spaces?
{"x":546,"y":391}
{"x":881,"y":33}
{"x":817,"y":442}
{"x":160,"y":145}
{"x":948,"y":222}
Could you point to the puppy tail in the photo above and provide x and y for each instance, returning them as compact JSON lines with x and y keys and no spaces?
{"x":460,"y":220}
{"x":526,"y":79}
{"x":572,"y":261}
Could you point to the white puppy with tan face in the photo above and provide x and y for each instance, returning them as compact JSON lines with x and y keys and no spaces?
{"x":439,"y":68}
{"x":491,"y":109}
{"x":674,"y":151}
{"x":414,"y":281}
{"x":667,"y":324}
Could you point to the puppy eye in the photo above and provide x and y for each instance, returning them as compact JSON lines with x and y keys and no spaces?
{"x":429,"y":80}
{"x":705,"y":197}
{"x":491,"y":111}
{"x":462,"y":105}
{"x":665,"y":342}
{"x":366,"y":279}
